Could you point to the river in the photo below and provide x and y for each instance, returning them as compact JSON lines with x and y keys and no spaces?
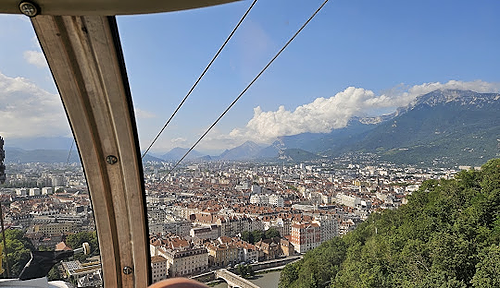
{"x":268,"y":280}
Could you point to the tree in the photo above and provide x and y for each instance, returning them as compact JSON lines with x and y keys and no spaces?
{"x":271,"y":233}
{"x":18,"y":251}
{"x":446,"y":236}
{"x":245,"y":271}
{"x":247,"y":236}
{"x":77,"y":239}
{"x":54,"y":273}
{"x":488,"y":269}
{"x":288,"y":275}
{"x":257,"y":235}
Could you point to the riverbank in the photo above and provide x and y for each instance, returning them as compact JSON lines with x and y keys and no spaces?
{"x":260,"y":269}
{"x":263,"y":279}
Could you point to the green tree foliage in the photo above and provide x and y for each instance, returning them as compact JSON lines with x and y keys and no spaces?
{"x":488,"y":269}
{"x":18,"y":251}
{"x":245,"y":271}
{"x":247,"y":236}
{"x":271,"y":233}
{"x":76,"y":240}
{"x":257,"y":235}
{"x":448,"y":235}
{"x":54,"y":273}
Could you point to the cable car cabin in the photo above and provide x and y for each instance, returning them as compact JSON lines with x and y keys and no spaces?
{"x":81,"y":43}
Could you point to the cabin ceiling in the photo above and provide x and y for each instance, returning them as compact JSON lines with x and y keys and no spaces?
{"x":107,"y":7}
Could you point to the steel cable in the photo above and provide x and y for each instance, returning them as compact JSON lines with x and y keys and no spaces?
{"x":248,"y":86}
{"x":199,"y":78}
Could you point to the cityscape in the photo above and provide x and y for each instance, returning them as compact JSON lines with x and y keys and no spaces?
{"x":326,"y":144}
{"x":214,"y":215}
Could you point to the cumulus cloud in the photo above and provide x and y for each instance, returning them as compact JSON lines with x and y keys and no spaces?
{"x":325,"y":114}
{"x":36,"y":58}
{"x":29,"y":111}
{"x":405,"y":95}
{"x":179,"y":141}
{"x":143,"y":114}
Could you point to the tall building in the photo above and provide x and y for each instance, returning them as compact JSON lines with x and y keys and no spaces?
{"x":305,"y":236}
{"x":2,"y":158}
{"x":183,"y":257}
{"x":329,"y":227}
{"x":158,"y":268}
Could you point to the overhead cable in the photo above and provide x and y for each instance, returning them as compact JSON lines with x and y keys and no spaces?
{"x":69,"y":152}
{"x":199,"y":78}
{"x":249,"y":85}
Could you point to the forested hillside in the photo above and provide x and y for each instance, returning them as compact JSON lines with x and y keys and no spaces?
{"x":447,"y":235}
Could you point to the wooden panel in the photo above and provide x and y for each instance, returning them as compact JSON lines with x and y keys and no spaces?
{"x":108,"y":7}
{"x":85,"y":58}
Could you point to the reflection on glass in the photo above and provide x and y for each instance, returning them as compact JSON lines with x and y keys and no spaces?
{"x":44,"y":196}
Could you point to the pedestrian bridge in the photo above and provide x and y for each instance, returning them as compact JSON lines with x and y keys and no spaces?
{"x":234,"y":280}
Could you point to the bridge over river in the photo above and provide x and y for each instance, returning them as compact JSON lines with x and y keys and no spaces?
{"x":234,"y":280}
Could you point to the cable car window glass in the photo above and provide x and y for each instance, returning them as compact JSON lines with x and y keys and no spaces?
{"x":45,"y":199}
{"x":339,"y":81}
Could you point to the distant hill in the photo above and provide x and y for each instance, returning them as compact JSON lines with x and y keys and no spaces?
{"x":252,"y":151}
{"x":177,"y":153}
{"x":151,"y":158}
{"x":453,"y":127}
{"x":246,"y":151}
{"x":324,"y":142}
{"x":458,"y":127}
{"x":297,"y":155}
{"x":45,"y":143}
{"x":16,"y":155}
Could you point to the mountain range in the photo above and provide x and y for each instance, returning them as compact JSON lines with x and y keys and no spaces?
{"x":448,"y":126}
{"x":451,"y":127}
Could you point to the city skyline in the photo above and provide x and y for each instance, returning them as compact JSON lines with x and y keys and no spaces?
{"x":350,"y":61}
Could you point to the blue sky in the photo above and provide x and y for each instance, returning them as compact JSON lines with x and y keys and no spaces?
{"x":355,"y":58}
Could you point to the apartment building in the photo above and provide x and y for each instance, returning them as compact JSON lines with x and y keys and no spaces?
{"x":305,"y":236}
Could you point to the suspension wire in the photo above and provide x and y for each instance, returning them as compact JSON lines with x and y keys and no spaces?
{"x":248,"y":86}
{"x":199,"y":78}
{"x":69,"y":152}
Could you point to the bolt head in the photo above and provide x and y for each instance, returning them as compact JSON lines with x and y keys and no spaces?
{"x":29,"y":9}
{"x":111,"y":159}
{"x":127,"y":270}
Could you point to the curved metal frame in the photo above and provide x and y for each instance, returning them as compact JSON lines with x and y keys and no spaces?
{"x":85,"y":58}
{"x":107,"y":7}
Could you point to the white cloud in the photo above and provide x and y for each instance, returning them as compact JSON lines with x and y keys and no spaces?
{"x":179,"y":141}
{"x":36,"y":58}
{"x":326,"y":114}
{"x":29,"y":111}
{"x":403,"y":98}
{"x":143,"y":114}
